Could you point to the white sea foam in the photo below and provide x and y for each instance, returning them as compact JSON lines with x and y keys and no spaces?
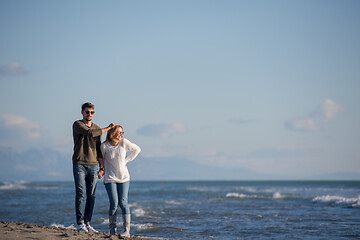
{"x":355,"y":202}
{"x":144,"y":226}
{"x":256,"y":190}
{"x":19,"y":185}
{"x":103,"y":221}
{"x":278,"y":196}
{"x":46,"y":188}
{"x":259,"y":190}
{"x":247,"y":189}
{"x":173,"y":202}
{"x":22,"y":185}
{"x":240,"y":195}
{"x":138,"y":212}
{"x":132,"y":205}
{"x":62,"y":226}
{"x":203,"y":189}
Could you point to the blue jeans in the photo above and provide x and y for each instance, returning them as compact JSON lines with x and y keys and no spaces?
{"x":118,"y":196}
{"x":85,"y":177}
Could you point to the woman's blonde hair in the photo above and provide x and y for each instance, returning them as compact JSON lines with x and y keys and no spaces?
{"x":110,"y":136}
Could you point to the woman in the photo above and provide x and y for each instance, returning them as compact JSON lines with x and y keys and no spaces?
{"x":117,"y":178}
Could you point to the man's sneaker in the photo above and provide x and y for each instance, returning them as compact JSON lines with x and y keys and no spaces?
{"x":82,"y":227}
{"x":90,"y":228}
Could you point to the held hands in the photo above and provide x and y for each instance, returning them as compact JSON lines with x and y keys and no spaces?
{"x":100,"y":174}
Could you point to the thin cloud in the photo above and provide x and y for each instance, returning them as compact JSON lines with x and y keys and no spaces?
{"x":240,"y":121}
{"x":15,"y":128}
{"x":303,"y":124}
{"x":9,"y":120}
{"x":329,"y":110}
{"x":25,"y":134}
{"x":161,"y":130}
{"x":315,"y":121}
{"x":13,"y":69}
{"x":275,"y":153}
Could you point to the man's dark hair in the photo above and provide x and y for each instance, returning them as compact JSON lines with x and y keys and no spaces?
{"x":87,"y":105}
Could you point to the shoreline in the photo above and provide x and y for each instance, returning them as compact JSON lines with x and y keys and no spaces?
{"x":18,"y":231}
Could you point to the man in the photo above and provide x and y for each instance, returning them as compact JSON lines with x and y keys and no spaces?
{"x":86,"y":157}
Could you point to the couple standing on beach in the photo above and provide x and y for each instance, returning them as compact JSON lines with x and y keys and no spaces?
{"x":111,"y":157}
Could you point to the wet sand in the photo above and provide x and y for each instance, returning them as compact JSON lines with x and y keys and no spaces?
{"x":15,"y":231}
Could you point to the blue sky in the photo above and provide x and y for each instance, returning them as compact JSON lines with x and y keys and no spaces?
{"x":271,"y":86}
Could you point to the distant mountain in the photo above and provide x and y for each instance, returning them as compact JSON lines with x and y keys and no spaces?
{"x":46,"y":164}
{"x":50,"y":165}
{"x":175,"y":168}
{"x":337,"y":176}
{"x":34,"y":165}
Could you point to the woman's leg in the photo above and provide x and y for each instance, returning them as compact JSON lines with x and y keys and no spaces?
{"x":113,"y":198}
{"x":123,"y":192}
{"x":111,"y":190}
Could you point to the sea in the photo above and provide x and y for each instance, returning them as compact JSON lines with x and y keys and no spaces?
{"x":201,"y":209}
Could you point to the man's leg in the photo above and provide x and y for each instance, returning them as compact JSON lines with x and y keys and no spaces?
{"x":79,"y":179}
{"x":91,"y":180}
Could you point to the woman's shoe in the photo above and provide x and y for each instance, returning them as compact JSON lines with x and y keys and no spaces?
{"x":112,"y":224}
{"x":126,"y":221}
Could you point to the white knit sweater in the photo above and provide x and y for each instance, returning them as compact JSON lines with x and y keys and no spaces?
{"x":115,"y":160}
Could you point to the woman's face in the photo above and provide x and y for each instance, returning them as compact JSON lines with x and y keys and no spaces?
{"x":119,"y":134}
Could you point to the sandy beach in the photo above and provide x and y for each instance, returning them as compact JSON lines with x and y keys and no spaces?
{"x":13,"y":231}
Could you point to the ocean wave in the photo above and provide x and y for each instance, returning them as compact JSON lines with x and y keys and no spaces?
{"x":103,"y":221}
{"x":203,"y":189}
{"x":18,"y":185}
{"x":240,"y":195}
{"x":119,"y":223}
{"x":63,"y":226}
{"x":133,"y":205}
{"x":24,"y":185}
{"x":355,"y":202}
{"x":246,"y":189}
{"x":270,"y":192}
{"x":106,"y":222}
{"x":173,"y":202}
{"x":138,"y":212}
{"x":257,"y":190}
{"x":276,"y":196}
{"x":279,"y":196}
{"x":143,"y":226}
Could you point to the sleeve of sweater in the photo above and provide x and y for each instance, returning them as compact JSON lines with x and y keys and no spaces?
{"x":82,"y":129}
{"x":102,"y":149}
{"x":98,"y":148}
{"x":135,"y":150}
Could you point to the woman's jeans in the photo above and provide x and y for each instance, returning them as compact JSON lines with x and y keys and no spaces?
{"x":118,"y":196}
{"x":85,"y":177}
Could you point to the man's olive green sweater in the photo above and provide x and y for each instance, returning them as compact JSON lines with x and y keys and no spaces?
{"x":87,"y":141}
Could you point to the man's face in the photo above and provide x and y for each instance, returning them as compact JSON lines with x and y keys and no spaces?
{"x":88,"y":114}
